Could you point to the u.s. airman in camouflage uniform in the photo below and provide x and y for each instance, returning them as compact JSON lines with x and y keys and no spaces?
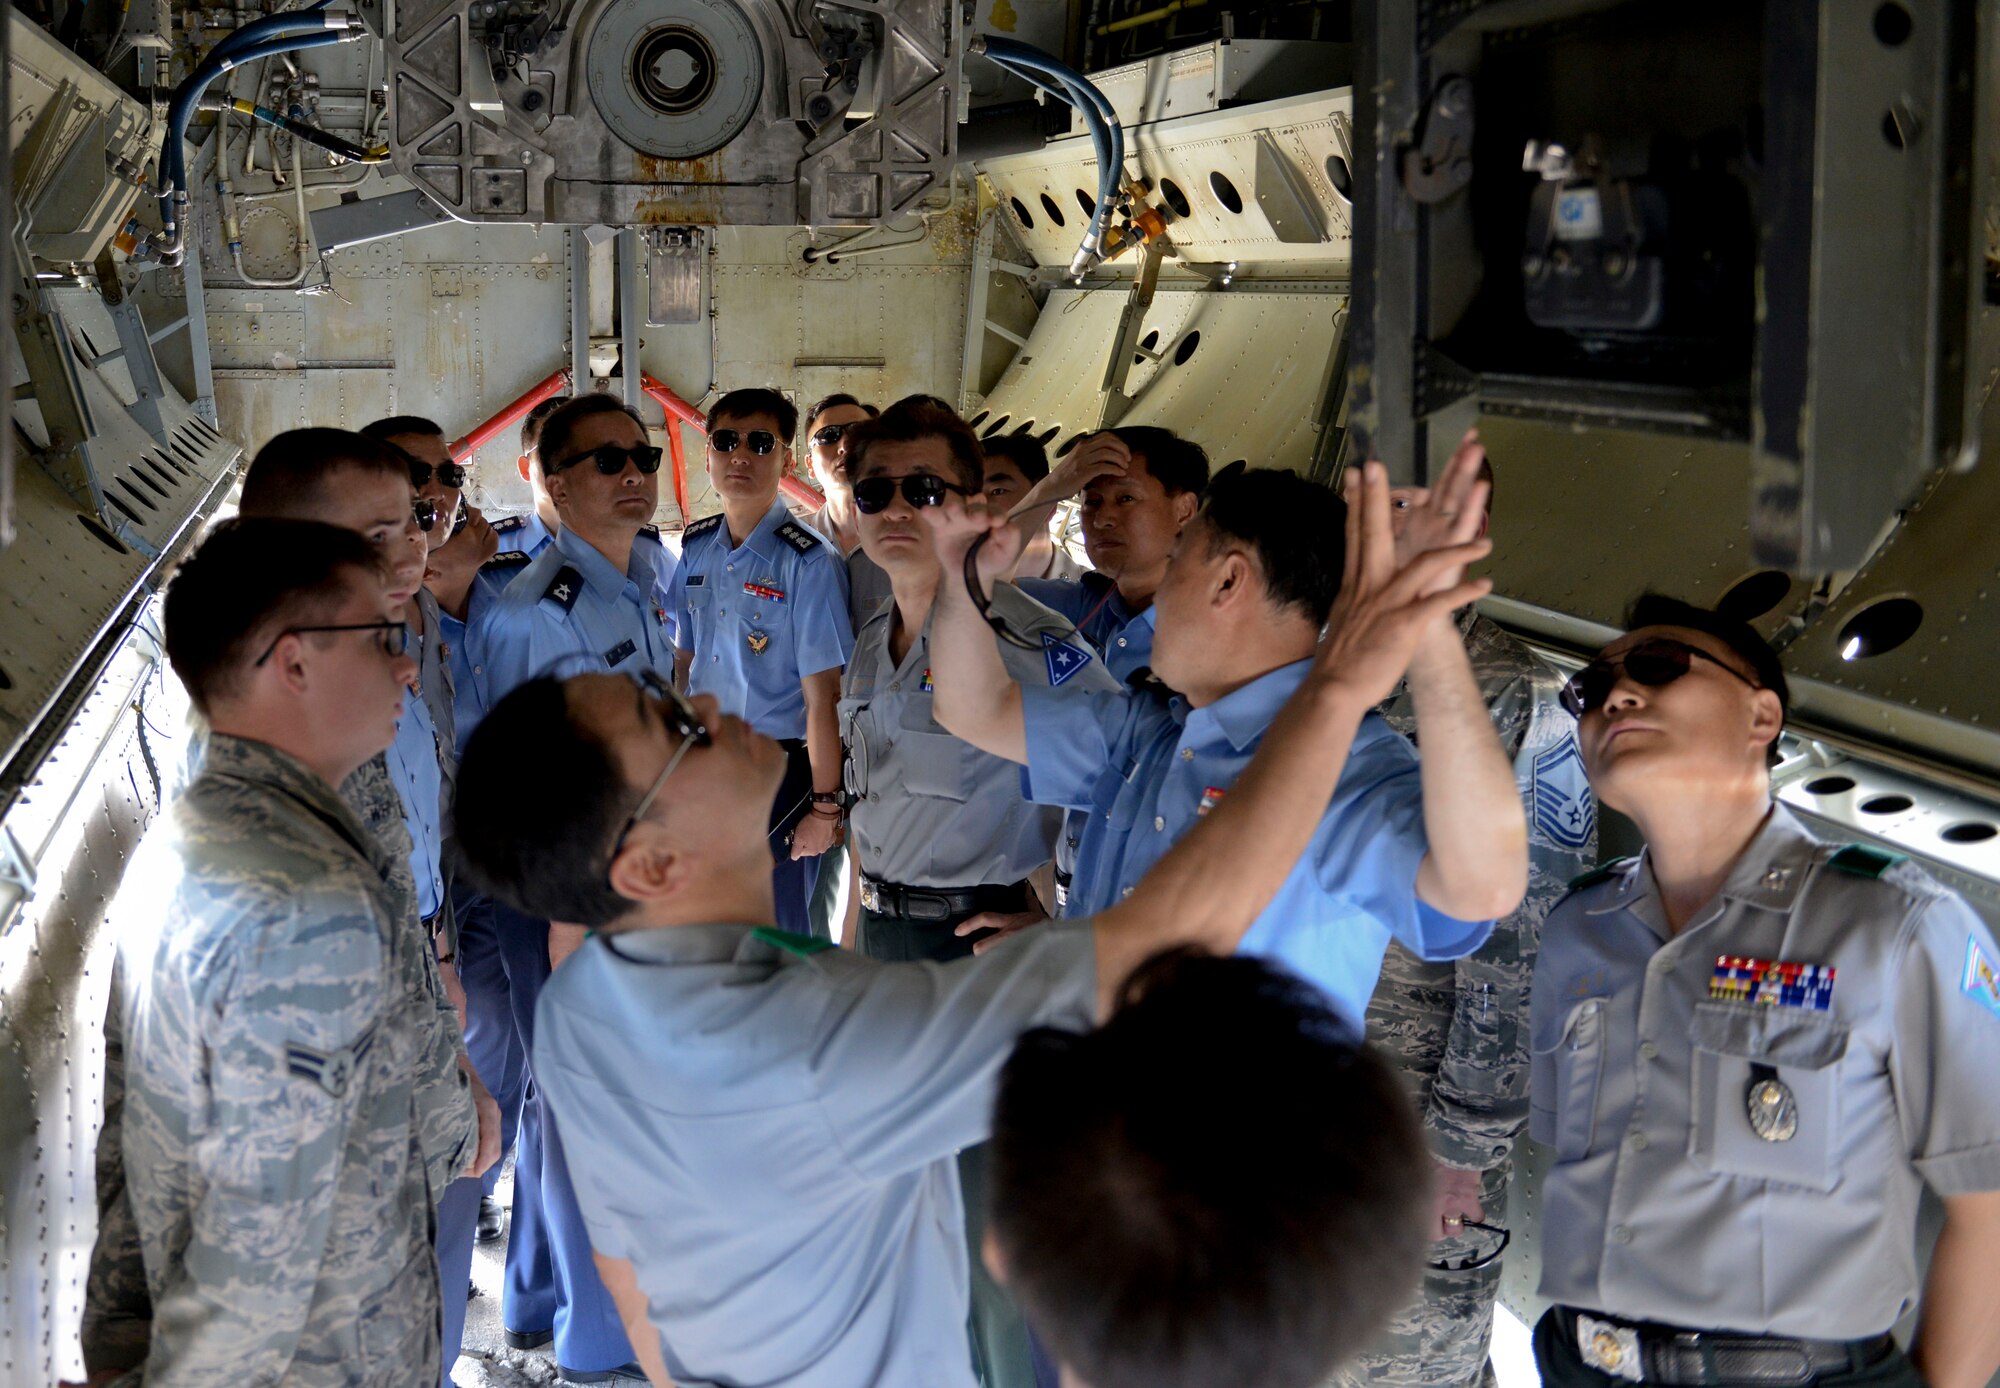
{"x":271,"y":1117}
{"x":1457,"y":1033}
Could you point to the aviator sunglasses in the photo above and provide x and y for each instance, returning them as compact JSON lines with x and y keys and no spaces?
{"x":611,"y":459}
{"x":448,"y":474}
{"x":920,"y":489}
{"x":761,"y":441}
{"x":1653,"y":663}
{"x":426,"y":513}
{"x":828,"y":436}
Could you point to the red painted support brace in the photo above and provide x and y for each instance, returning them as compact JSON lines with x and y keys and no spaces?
{"x":800,"y":491}
{"x":509,"y":416}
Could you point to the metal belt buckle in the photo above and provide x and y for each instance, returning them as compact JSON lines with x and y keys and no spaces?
{"x":1613,"y":1349}
{"x":871,"y":898}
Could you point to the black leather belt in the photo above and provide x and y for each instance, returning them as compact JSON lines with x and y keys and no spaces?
{"x":939,"y":903}
{"x":1643,"y":1352}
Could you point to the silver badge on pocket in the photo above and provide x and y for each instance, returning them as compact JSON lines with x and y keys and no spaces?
{"x":1608,"y":1348}
{"x":1772,"y":1107}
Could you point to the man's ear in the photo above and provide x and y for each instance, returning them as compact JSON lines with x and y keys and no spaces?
{"x":647,"y":869}
{"x":1767,"y":717}
{"x":289,"y":659}
{"x":1234,"y":578}
{"x":558,"y":488}
{"x":1185,"y":505}
{"x":527,"y":474}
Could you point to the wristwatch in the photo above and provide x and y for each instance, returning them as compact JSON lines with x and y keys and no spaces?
{"x":836,"y":798}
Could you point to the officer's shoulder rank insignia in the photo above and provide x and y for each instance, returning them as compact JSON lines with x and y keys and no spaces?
{"x":564,"y":588}
{"x":802,"y":945}
{"x":696,"y":529}
{"x":1980,"y":981}
{"x":650,"y":530}
{"x":1564,"y":808}
{"x":798,"y":537}
{"x":509,"y":559}
{"x":1064,"y":659}
{"x":330,"y":1070}
{"x":509,"y":525}
{"x":1864,"y":860}
{"x":1604,"y":872}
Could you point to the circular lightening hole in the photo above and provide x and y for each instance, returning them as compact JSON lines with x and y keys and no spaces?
{"x":1341,"y":176}
{"x":1021,"y":211}
{"x":1186,"y":349}
{"x":1829,"y":785}
{"x":1886,"y":804}
{"x":1050,"y":206}
{"x":1176,"y":199}
{"x":1149,"y":342}
{"x":1880,"y":627}
{"x":96,"y":527}
{"x":1892,"y":25}
{"x":1752,"y":597}
{"x":997,"y":425}
{"x":1225,"y":191}
{"x":1086,"y":202}
{"x":1971,"y":831}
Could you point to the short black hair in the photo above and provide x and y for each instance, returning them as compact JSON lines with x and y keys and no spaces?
{"x":250,"y":578}
{"x":1218,"y":1185}
{"x":741,"y":404}
{"x":561,"y":424}
{"x":1659,"y":610}
{"x":396,"y":425}
{"x":1297,"y":529}
{"x":1179,"y":465}
{"x":553,"y":859}
{"x":834,"y":402}
{"x":289,"y":477}
{"x":534,"y":419}
{"x":904,"y":422}
{"x":936,"y":402}
{"x":1024,"y":451}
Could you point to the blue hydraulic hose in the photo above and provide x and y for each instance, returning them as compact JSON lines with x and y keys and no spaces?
{"x":1100,"y":136}
{"x":1098,"y":114}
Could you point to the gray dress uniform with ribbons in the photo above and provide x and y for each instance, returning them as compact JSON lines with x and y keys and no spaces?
{"x":1742,"y":1113}
{"x":270,"y":1124}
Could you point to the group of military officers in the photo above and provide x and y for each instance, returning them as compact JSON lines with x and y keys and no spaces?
{"x":532,"y":836}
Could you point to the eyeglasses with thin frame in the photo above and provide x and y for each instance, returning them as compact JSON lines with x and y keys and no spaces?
{"x":761,"y":441}
{"x":827,"y":435}
{"x":1476,"y":1260}
{"x":448,"y":474}
{"x":920,"y":489}
{"x":394,"y":641}
{"x":611,"y":459}
{"x":685,"y":720}
{"x":1653,"y":663}
{"x":425,"y":511}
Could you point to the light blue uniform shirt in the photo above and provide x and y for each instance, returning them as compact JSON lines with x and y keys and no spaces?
{"x":771,"y":1138}
{"x":420,"y":760}
{"x":1092,"y":604}
{"x":1146,"y":767}
{"x":759,"y":618}
{"x":571,"y":599}
{"x":521,"y":538}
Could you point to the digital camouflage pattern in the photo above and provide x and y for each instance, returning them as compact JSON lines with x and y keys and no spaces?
{"x":270,"y":1125}
{"x":1457,"y":1033}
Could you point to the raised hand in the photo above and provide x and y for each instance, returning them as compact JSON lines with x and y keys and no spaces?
{"x":1453,"y":512}
{"x":1389,"y":599}
{"x":1100,"y":455}
{"x":958,"y":522}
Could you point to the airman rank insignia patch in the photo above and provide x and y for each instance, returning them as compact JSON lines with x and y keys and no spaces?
{"x":801,"y":945}
{"x":1564,"y":808}
{"x":620,"y":652}
{"x":798,"y":537}
{"x":1064,"y":659}
{"x":564,"y":588}
{"x":1980,"y":983}
{"x":330,"y":1070}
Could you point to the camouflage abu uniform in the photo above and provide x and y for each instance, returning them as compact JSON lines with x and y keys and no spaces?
{"x":117,"y":1315}
{"x":270,"y":1115}
{"x":1457,"y":1033}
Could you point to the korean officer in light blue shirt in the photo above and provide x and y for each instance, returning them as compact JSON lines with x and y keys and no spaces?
{"x":595,"y":598}
{"x":763,"y":624}
{"x":1403,"y":851}
{"x":765,"y":1125}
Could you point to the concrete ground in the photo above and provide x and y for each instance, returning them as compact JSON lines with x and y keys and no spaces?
{"x":484,"y":1360}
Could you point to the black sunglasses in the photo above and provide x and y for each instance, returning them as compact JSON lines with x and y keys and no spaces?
{"x":1470,"y":1261}
{"x":448,"y":474}
{"x":761,"y":441}
{"x":920,"y":489}
{"x":829,"y":435}
{"x":395,"y":636}
{"x":685,"y":720}
{"x":611,"y":459}
{"x":1653,"y":663}
{"x":426,"y":512}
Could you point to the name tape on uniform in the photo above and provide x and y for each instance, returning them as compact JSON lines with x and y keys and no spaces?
{"x":1772,"y":983}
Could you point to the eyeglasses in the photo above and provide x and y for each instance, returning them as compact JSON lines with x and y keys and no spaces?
{"x":920,"y":489}
{"x":1653,"y":663}
{"x":448,"y":474}
{"x":611,"y":459}
{"x":426,"y":513}
{"x":761,"y":441}
{"x":395,"y":638}
{"x":829,"y":435}
{"x":1476,"y":1260}
{"x":685,"y":720}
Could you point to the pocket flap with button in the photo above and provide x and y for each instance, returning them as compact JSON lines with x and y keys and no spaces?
{"x":1784,"y":1037}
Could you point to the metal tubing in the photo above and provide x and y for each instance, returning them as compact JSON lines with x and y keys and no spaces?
{"x":579,"y":309}
{"x":509,"y":415}
{"x":631,"y":315}
{"x":679,"y":412}
{"x":1144,"y":17}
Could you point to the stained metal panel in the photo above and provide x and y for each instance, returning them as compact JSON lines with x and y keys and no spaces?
{"x":1058,"y":376}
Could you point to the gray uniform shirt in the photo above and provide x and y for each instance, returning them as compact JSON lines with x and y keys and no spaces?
{"x":932,"y":810}
{"x":270,"y":1124}
{"x":764,"y":1126}
{"x":1664,"y":1203}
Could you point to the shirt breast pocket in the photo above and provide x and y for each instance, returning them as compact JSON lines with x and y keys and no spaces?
{"x":1575,"y":1047}
{"x":701,"y":616}
{"x":1738,"y":1049}
{"x":932,"y":761}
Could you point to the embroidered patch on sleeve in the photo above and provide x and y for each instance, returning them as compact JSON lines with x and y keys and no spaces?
{"x":1980,"y":982}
